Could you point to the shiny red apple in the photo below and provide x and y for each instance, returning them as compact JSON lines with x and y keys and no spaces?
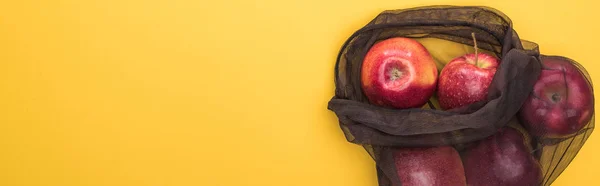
{"x":465,"y":80}
{"x":398,"y":72}
{"x":431,"y":166}
{"x":561,"y":102}
{"x":500,"y":160}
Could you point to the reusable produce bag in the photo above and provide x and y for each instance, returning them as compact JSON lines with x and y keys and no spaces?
{"x":480,"y":134}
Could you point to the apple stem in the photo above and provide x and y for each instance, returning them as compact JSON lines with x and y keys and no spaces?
{"x":475,"y":45}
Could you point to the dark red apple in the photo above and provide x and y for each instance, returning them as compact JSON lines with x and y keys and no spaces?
{"x":398,"y":72}
{"x":561,"y":102}
{"x":434,"y":166}
{"x":501,"y":159}
{"x":465,"y":80}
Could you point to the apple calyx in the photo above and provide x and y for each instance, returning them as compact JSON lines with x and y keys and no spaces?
{"x":556,"y":97}
{"x":395,"y":74}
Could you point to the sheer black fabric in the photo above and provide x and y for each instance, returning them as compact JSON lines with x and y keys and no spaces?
{"x":382,"y":130}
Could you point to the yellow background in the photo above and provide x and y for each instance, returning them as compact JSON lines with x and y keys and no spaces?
{"x":224,"y":93}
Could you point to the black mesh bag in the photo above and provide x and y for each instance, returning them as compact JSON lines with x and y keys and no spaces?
{"x":537,"y":113}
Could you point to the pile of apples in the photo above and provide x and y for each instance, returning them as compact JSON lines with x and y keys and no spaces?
{"x":400,"y":73}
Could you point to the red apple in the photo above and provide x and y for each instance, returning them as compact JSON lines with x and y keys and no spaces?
{"x":561,"y":102}
{"x":501,"y":159}
{"x":398,"y":72}
{"x":431,"y":166}
{"x":466,"y":79}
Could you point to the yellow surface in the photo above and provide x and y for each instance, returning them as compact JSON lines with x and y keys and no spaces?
{"x":224,"y":93}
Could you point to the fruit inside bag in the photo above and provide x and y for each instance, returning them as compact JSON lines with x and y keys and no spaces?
{"x":449,"y":95}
